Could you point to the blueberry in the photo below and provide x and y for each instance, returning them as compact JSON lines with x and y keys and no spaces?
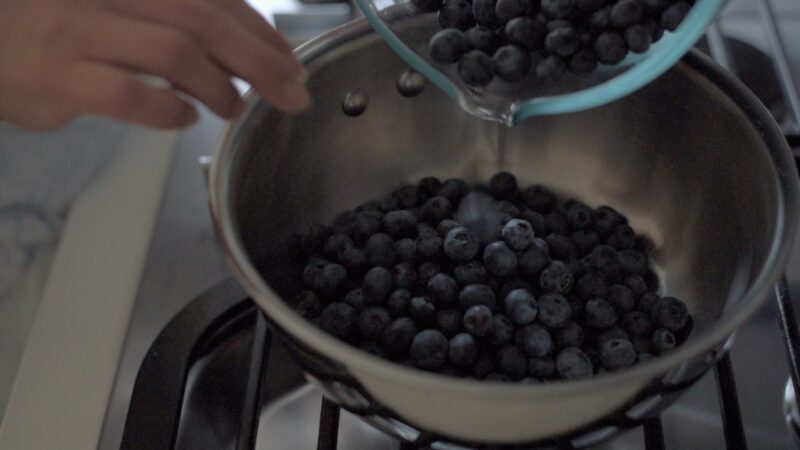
{"x":573,"y":363}
{"x":408,"y":195}
{"x":625,"y":13}
{"x":406,"y":250}
{"x":380,"y":250}
{"x":307,"y":304}
{"x":556,"y":277}
{"x":424,"y":230}
{"x":651,"y":278}
{"x":470,"y":273}
{"x":521,"y":307}
{"x":610,"y":47}
{"x":313,"y":271}
{"x":606,"y":219}
{"x":364,"y":225}
{"x":511,"y":63}
{"x":558,"y":9}
{"x":534,"y":340}
{"x":591,"y":285}
{"x":484,"y":13}
{"x":539,"y":199}
{"x":355,"y":298}
{"x":503,"y":185}
{"x":511,"y":362}
{"x":638,"y":38}
{"x":332,"y":281}
{"x":523,"y":32}
{"x":541,"y":367}
{"x":476,"y":69}
{"x":563,"y":41}
{"x":556,"y":24}
{"x":429,"y":248}
{"x":498,"y":377}
{"x":436,"y":209}
{"x":647,"y":302}
{"x":599,"y":21}
{"x":579,"y":216}
{"x":506,"y":10}
{"x":461,"y":244}
{"x":429,"y":349}
{"x":454,"y":189}
{"x":484,"y":366}
{"x":390,"y":203}
{"x":584,"y":241}
{"x":655,"y":7}
{"x":511,"y":285}
{"x":338,"y":319}
{"x":398,"y":302}
{"x":353,"y":259}
{"x":427,"y":5}
{"x":336,"y":243}
{"x":422,"y":311}
{"x":670,"y":313}
{"x":570,"y":335}
{"x":404,"y":276}
{"x":449,"y":321}
{"x":372,"y":322}
{"x":599,"y":314}
{"x":463,"y":351}
{"x":556,"y":222}
{"x":476,"y":294}
{"x":642,"y":344}
{"x":550,"y":68}
{"x":344,"y":221}
{"x":588,"y":6}
{"x":633,"y":261}
{"x":663,"y":340}
{"x":554,"y":310}
{"x":621,"y":298}
{"x":606,"y":261}
{"x":373,"y":348}
{"x":636,"y":284}
{"x":618,"y":354}
{"x":536,"y":220}
{"x":533,"y":260}
{"x":443,"y":290}
{"x":448,"y":46}
{"x":622,"y":238}
{"x":397,"y":336}
{"x":377,"y":285}
{"x":478,"y":321}
{"x":611,"y":333}
{"x":314,"y":236}
{"x":636,"y":323}
{"x":456,"y":14}
{"x":487,"y":41}
{"x":518,"y":234}
{"x":561,"y":247}
{"x":674,"y":15}
{"x":445,"y":226}
{"x":502,"y":330}
{"x":400,"y":224}
{"x":505,"y":206}
{"x":429,"y":187}
{"x":499,"y":259}
{"x":426,"y":271}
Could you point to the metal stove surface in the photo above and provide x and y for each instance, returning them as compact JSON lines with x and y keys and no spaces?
{"x":184,"y":261}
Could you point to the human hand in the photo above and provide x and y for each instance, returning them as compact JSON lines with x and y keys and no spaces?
{"x":63,"y":58}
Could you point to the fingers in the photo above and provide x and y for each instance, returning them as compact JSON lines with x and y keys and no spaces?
{"x":114,"y":92}
{"x":157,"y":50}
{"x":273,"y":74}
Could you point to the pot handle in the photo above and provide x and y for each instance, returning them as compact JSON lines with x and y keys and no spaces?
{"x":205,"y":166}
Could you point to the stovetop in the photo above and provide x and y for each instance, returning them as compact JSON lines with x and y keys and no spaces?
{"x":185,"y":261}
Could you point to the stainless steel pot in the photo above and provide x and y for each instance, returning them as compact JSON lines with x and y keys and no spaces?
{"x":693,"y":159}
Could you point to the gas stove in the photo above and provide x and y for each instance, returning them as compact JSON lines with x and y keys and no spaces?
{"x":200,"y":369}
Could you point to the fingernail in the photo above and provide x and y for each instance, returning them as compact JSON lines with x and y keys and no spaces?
{"x":296,"y":96}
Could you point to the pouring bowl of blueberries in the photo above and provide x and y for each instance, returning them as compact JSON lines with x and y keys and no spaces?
{"x":461,"y":283}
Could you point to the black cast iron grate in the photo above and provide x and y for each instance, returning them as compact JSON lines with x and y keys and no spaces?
{"x":156,"y":404}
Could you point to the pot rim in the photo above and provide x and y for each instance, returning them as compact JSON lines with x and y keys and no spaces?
{"x":343,"y":353}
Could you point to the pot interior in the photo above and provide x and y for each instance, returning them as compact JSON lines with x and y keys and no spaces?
{"x":678,"y":157}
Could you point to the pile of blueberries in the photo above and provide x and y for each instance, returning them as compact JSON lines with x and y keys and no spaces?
{"x":512,"y":39}
{"x":532,"y":289}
